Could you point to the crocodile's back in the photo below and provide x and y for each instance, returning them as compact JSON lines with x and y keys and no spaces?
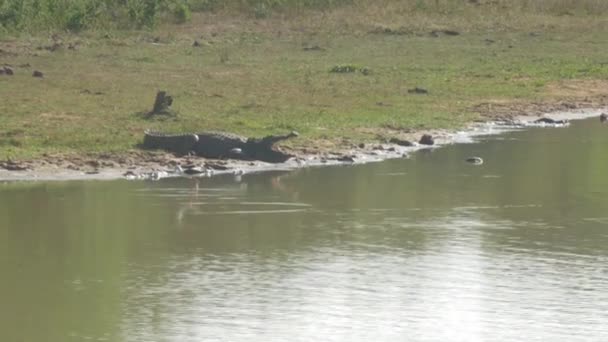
{"x":218,"y":144}
{"x":178,"y":143}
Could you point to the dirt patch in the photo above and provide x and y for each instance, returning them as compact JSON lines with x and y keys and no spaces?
{"x":560,"y":96}
{"x":579,"y":89}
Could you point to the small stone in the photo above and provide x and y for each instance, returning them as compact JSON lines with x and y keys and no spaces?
{"x":361,"y":145}
{"x":216,"y":166}
{"x":313,"y":48}
{"x":418,"y":90}
{"x":196,"y":44}
{"x":426,"y":139}
{"x":108,"y":164}
{"x":12,"y":166}
{"x":346,"y":158}
{"x":400,"y":142}
{"x":94,"y":163}
{"x":603,"y":117}
{"x":37,"y":73}
{"x":450,"y":32}
{"x":8,"y":70}
{"x":193,"y":170}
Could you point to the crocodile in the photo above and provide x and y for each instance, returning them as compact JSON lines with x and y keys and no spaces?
{"x":177,"y":143}
{"x":219,"y":145}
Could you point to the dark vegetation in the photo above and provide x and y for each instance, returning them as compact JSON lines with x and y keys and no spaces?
{"x":78,"y":15}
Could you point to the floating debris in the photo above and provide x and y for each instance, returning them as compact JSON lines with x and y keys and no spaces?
{"x":474,"y":160}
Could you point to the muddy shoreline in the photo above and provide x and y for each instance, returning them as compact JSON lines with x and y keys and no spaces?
{"x":145,"y":165}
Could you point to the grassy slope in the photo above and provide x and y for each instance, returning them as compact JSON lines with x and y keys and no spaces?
{"x":253,"y":77}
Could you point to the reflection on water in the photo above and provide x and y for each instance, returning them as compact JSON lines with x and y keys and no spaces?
{"x":427,"y":249}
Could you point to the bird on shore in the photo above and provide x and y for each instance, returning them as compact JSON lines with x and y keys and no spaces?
{"x":603,"y":117}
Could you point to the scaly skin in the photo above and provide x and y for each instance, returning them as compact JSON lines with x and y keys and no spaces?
{"x":219,"y":145}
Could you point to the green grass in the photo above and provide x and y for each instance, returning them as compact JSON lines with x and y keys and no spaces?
{"x":255,"y":77}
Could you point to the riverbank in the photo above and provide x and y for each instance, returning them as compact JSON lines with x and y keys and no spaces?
{"x":159,"y":165}
{"x":343,"y":77}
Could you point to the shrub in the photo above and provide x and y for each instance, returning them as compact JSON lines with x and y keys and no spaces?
{"x":204,"y":5}
{"x":182,"y":13}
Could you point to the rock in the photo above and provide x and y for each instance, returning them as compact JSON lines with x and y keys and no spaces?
{"x":418,"y":90}
{"x":426,"y":139}
{"x":216,"y":166}
{"x":435,"y":33}
{"x":313,"y":48}
{"x":450,"y":32}
{"x":236,"y":151}
{"x":401,"y":142}
{"x":196,"y":44}
{"x":38,"y":74}
{"x":551,"y":121}
{"x":195,"y":170}
{"x":12,"y":166}
{"x":603,"y":117}
{"x":94,"y":163}
{"x":474,"y":160}
{"x":346,"y":158}
{"x":8,"y":70}
{"x":361,"y":145}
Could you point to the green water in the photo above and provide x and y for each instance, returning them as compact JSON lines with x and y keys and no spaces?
{"x":424,"y":249}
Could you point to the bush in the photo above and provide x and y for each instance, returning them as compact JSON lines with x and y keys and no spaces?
{"x":204,"y":5}
{"x":182,"y":13}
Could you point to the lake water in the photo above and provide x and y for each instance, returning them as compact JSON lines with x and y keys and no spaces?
{"x":422,"y":249}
